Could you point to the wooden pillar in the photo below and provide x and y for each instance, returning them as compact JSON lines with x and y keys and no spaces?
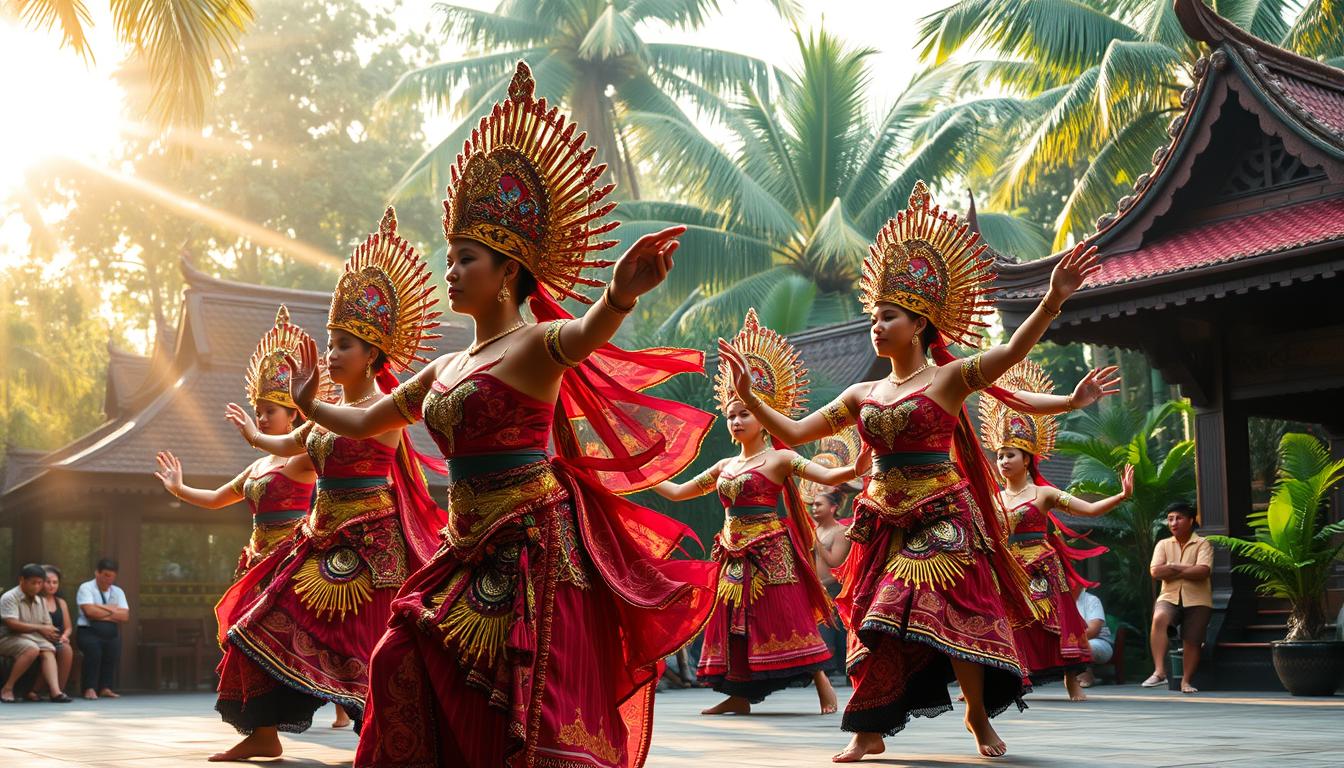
{"x":1222,"y":456}
{"x":121,"y":540}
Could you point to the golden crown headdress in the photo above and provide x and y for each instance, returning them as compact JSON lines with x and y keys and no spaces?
{"x":777,"y":376}
{"x":385,"y":297}
{"x":1003,"y":427}
{"x":524,"y":186}
{"x":268,"y":373}
{"x":838,"y":450}
{"x":928,"y":262}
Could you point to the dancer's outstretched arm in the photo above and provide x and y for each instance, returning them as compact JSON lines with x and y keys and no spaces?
{"x":697,"y":486}
{"x":817,"y":473}
{"x":170,"y":474}
{"x":828,"y":421}
{"x":290,"y":444}
{"x":1098,"y":383}
{"x":1056,"y":498}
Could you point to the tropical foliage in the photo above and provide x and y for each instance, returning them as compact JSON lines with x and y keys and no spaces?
{"x":780,"y":218}
{"x":1293,"y":550}
{"x":1104,"y":440}
{"x":586,"y":54}
{"x":177,"y":43}
{"x":1088,"y":86}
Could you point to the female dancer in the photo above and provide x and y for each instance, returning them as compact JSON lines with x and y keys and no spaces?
{"x":1056,"y":643}
{"x":919,"y":591}
{"x":278,"y":489}
{"x":763,"y":634}
{"x":536,"y":634}
{"x":302,"y":624}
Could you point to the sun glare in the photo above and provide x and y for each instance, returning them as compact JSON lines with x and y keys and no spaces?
{"x":57,"y":104}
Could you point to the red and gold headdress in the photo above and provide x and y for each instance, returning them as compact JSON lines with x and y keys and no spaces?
{"x":838,"y":450}
{"x":385,"y":297}
{"x":524,"y":186}
{"x":268,"y":374}
{"x":1003,"y":427}
{"x":777,"y":377}
{"x":928,"y":262}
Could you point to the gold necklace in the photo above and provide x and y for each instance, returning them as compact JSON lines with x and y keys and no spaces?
{"x":895,"y":382}
{"x":478,"y":346}
{"x":1019,"y":494}
{"x":363,"y":399}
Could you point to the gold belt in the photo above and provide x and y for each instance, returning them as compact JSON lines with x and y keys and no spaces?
{"x":901,"y":489}
{"x":337,"y":507}
{"x":741,"y":532}
{"x":478,"y":505}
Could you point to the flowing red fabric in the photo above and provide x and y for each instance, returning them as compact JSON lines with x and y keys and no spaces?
{"x":973,"y":466}
{"x":803,"y":531}
{"x":421,"y":518}
{"x":606,"y":425}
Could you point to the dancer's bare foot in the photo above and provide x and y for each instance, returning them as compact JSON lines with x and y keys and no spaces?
{"x":825,"y":693}
{"x":1074,"y":688}
{"x":263,"y":742}
{"x":342,"y":719}
{"x":90,"y":694}
{"x":860,"y":744}
{"x":733,"y":705}
{"x":988,"y":742}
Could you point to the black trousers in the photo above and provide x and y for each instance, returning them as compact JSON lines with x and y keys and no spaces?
{"x":102,"y":656}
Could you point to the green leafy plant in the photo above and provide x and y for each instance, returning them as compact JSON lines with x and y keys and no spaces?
{"x":1101,"y":442}
{"x":1293,"y":551}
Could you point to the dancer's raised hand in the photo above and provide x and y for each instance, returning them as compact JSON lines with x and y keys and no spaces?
{"x":1073,"y":270}
{"x":170,"y":472}
{"x":737,"y":368}
{"x":304,"y":375}
{"x":644,"y":265}
{"x":240,"y":419}
{"x":1098,"y":383}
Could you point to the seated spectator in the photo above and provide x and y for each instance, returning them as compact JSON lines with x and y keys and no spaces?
{"x":1184,"y":563}
{"x":1098,"y":634}
{"x":26,"y":633}
{"x":59,"y":611}
{"x":831,"y":549}
{"x":102,"y":611}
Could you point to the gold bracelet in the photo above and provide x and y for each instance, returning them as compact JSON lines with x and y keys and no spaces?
{"x":312,"y":412}
{"x":613,"y":306}
{"x":1070,"y":404}
{"x":1051,"y":312}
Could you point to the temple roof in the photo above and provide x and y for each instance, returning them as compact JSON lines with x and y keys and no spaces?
{"x":183,"y":410}
{"x":1243,"y":86}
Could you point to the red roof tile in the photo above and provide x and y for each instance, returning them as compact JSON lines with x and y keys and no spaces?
{"x":1326,"y":105}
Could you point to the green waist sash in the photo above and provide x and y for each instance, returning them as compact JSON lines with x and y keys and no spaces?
{"x":349,"y":483}
{"x":464,"y":467}
{"x":279,"y":516}
{"x":744,"y":510}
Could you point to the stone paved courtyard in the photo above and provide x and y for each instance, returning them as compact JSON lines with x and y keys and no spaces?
{"x":1124,"y":726}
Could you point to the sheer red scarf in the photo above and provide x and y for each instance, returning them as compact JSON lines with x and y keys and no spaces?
{"x":803,"y":533}
{"x":421,"y":517}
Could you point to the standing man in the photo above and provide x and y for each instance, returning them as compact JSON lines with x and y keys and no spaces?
{"x":26,"y":633}
{"x":102,"y":611}
{"x":1184,"y":564}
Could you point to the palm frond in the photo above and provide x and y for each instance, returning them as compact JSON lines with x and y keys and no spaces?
{"x":709,"y":67}
{"x":476,"y":28}
{"x":1014,"y":76}
{"x":611,"y":36}
{"x":1056,"y":139}
{"x":1316,"y":32}
{"x":836,"y":249}
{"x":788,"y":305}
{"x":71,"y":17}
{"x":710,"y":259}
{"x":721,"y":313}
{"x":1063,"y":36}
{"x":1266,"y":19}
{"x":938,"y":158}
{"x":180,"y":42}
{"x":1014,"y":235}
{"x":914,"y":107}
{"x":433,"y":84}
{"x":1136,"y":78}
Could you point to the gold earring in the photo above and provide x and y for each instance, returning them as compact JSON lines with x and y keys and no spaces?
{"x":914,"y":340}
{"x":368,"y":370}
{"x":503,"y":294}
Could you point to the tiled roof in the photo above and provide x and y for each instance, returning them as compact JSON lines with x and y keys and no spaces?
{"x":127,"y":375}
{"x":839,"y":354}
{"x":1218,"y":242}
{"x":221,"y":323}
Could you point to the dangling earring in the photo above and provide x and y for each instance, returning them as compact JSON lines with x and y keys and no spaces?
{"x":914,"y":340}
{"x":503,"y":294}
{"x":368,"y":370}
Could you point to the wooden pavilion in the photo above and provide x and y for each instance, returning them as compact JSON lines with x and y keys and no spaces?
{"x":1223,"y":267}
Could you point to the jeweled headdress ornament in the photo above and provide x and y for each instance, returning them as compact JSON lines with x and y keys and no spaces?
{"x":525,"y":186}
{"x":268,"y":374}
{"x":928,"y":262}
{"x":385,"y":297}
{"x":777,"y":376}
{"x":1003,"y":427}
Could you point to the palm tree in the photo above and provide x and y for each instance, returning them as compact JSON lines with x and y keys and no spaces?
{"x":781,"y":220}
{"x":587,"y":54}
{"x":176,"y":42}
{"x":1089,"y":85}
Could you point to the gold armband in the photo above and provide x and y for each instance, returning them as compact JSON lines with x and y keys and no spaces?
{"x":300,"y":435}
{"x":553,"y":347}
{"x":1065,"y":500}
{"x":837,"y":415}
{"x":236,"y":486}
{"x":704,"y":481}
{"x":971,"y":373}
{"x":797,"y":465}
{"x":408,"y":398}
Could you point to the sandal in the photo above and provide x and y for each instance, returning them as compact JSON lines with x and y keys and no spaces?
{"x":9,"y":700}
{"x":1153,"y":681}
{"x":60,"y":698}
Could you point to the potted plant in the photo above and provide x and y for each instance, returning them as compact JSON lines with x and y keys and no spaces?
{"x":1291,"y":556}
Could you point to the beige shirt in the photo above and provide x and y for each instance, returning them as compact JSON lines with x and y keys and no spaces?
{"x":1197,"y":551}
{"x":30,"y":610}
